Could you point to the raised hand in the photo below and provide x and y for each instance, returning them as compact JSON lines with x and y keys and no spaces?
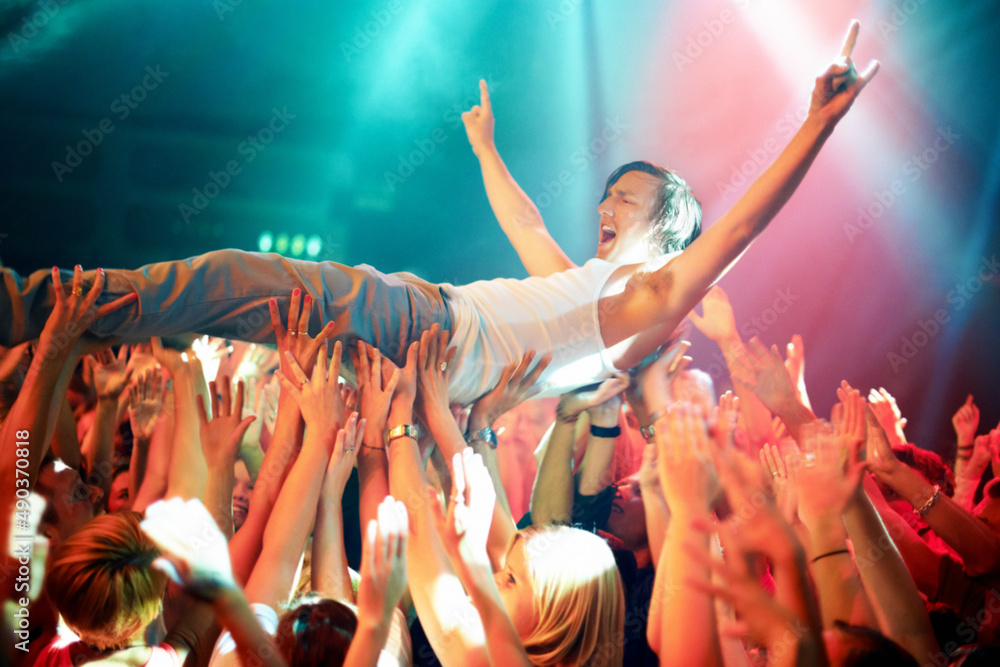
{"x":383,"y":563}
{"x":145,"y":403}
{"x":111,"y":373}
{"x":883,"y":404}
{"x":725,"y":418}
{"x":375,"y":390}
{"x":432,"y":369}
{"x":966,"y":421}
{"x":838,"y":87}
{"x":222,"y":434}
{"x":194,"y":551}
{"x":830,"y":476}
{"x":687,"y":475}
{"x":345,"y":453}
{"x":479,"y":122}
{"x":763,"y":371}
{"x":466,"y":527}
{"x":783,"y":473}
{"x":170,"y":359}
{"x":882,"y":459}
{"x":318,"y":397}
{"x":295,"y":338}
{"x":762,"y":618}
{"x":718,"y":322}
{"x":517,"y":384}
{"x":651,"y":386}
{"x":257,"y":361}
{"x":72,"y":314}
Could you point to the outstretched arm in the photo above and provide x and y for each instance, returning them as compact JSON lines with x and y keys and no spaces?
{"x":660,"y":299}
{"x":517,"y":214}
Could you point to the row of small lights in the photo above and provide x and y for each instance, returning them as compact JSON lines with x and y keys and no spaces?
{"x":292,"y":245}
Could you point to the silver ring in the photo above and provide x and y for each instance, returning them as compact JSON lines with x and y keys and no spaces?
{"x":444,"y":366}
{"x":293,"y":333}
{"x":774,"y":474}
{"x":303,"y":333}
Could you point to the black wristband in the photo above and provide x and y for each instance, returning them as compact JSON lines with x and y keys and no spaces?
{"x":603,"y":432}
{"x":831,"y":553}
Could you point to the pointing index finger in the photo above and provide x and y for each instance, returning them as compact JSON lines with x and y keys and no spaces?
{"x":484,"y":96}
{"x":851,"y":39}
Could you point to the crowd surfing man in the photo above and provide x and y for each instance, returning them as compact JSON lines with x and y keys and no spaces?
{"x":591,"y":321}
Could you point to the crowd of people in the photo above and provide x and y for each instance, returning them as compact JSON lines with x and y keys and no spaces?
{"x":393,"y":497}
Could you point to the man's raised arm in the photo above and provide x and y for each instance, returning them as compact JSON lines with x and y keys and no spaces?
{"x":656,"y":302}
{"x":517,"y":214}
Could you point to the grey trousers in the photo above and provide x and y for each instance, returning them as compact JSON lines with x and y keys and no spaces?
{"x":225,"y":293}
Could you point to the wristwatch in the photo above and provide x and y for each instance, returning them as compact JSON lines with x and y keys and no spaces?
{"x":486,"y":435}
{"x":402,"y":431}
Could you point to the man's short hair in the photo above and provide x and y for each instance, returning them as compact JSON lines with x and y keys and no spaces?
{"x":675,"y":214}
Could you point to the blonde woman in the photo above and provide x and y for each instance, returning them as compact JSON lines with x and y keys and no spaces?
{"x":557,"y":600}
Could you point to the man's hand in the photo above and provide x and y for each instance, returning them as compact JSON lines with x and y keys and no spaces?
{"x":838,"y":87}
{"x":479,"y":122}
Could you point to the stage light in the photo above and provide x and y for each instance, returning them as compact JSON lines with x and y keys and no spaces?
{"x":265,"y":241}
{"x":298,"y":245}
{"x":314,"y":246}
{"x":281,"y":244}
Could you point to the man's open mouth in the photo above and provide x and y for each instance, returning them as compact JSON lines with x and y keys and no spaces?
{"x":607,"y":234}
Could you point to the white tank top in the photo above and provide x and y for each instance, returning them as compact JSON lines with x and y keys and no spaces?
{"x":495,"y":322}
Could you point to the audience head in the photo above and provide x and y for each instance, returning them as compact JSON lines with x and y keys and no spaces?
{"x":242,"y":492}
{"x":102,"y":581}
{"x":118,"y":498}
{"x":317,"y":632}
{"x":627,"y":520}
{"x":563,"y":593}
{"x":70,"y":501}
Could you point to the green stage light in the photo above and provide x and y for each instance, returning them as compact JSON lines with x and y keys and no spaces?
{"x":265,"y":241}
{"x":281,"y":244}
{"x":298,"y":245}
{"x":314,"y":246}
